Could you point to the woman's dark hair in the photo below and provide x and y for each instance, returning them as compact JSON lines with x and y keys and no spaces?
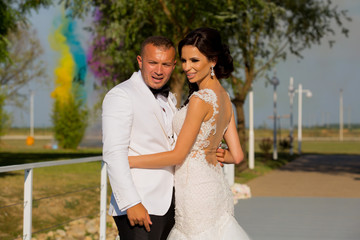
{"x":208,"y":41}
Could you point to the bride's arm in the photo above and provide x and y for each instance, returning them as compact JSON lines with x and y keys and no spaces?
{"x":235,"y":153}
{"x":197,"y":111}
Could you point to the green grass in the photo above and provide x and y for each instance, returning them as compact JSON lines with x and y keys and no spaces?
{"x":262,"y":166}
{"x":330,"y":147}
{"x":309,"y":132}
{"x":13,"y":152}
{"x":26,"y":131}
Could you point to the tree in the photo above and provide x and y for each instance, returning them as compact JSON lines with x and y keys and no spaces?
{"x":121,"y":26}
{"x":262,"y":32}
{"x":69,"y":121}
{"x":259,"y":32}
{"x":12,"y":13}
{"x":70,"y":113}
{"x":25,"y":66}
{"x":19,"y":51}
{"x":4,"y":116}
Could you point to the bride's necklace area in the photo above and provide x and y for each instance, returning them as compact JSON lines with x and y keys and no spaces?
{"x":209,"y":84}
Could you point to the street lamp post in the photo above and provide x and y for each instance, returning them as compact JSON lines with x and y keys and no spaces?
{"x":275,"y":81}
{"x":30,"y":138}
{"x":291,"y":95}
{"x":300,"y":91}
{"x":31,"y":113}
{"x":251,"y":130}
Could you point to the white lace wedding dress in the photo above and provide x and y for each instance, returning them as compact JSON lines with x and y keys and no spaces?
{"x":203,"y":199}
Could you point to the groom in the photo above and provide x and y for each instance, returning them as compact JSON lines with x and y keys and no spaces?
{"x":137,"y":119}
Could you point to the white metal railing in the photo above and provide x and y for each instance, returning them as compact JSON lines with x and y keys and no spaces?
{"x":28,"y":186}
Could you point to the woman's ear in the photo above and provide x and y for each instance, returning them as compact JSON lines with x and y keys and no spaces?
{"x":213,"y":61}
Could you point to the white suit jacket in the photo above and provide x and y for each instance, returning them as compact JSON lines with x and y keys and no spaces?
{"x":132,"y":124}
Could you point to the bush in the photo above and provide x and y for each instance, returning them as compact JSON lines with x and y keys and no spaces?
{"x":285,"y":144}
{"x":70,"y":121}
{"x":265,"y":146}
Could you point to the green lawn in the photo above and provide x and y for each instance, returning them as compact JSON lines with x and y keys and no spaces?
{"x":330,"y":147}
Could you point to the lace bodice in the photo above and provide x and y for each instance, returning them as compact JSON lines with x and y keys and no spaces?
{"x":202,"y":194}
{"x":208,"y":127}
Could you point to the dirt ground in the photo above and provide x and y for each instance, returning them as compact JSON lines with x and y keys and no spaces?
{"x":312,"y":176}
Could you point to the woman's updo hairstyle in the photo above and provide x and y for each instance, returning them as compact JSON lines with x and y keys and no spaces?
{"x":208,"y":41}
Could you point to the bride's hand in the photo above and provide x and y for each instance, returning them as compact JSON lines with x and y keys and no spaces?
{"x":223,"y":156}
{"x":131,"y":161}
{"x":220,"y":156}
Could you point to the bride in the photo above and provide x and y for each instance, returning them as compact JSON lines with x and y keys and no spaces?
{"x":203,"y":200}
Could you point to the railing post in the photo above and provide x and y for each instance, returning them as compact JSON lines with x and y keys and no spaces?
{"x":229,"y":171}
{"x":28,"y":186}
{"x":103,"y":199}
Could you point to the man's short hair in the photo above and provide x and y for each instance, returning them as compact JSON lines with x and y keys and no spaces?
{"x":157,"y":41}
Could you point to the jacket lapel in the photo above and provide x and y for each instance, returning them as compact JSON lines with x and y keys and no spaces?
{"x":150,"y":99}
{"x":172,"y":102}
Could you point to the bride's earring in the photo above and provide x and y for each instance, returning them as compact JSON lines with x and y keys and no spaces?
{"x":212,"y":72}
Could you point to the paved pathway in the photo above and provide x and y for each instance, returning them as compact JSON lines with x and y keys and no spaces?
{"x":314,"y":197}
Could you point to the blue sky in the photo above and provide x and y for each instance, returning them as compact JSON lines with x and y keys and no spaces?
{"x":324,"y":71}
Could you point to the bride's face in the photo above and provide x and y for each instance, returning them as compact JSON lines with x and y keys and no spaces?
{"x":196,"y":65}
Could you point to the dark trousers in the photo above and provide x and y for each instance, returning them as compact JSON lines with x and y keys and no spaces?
{"x":160,"y":228}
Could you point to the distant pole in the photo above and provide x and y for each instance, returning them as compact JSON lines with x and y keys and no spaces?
{"x":327,"y":119}
{"x":31,"y":113}
{"x":349,"y":117}
{"x":251,"y":130}
{"x":341,"y":113}
{"x":299,"y":117}
{"x":291,"y":95}
{"x":275,"y":81}
{"x":300,"y":91}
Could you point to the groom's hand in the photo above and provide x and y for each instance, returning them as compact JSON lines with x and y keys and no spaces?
{"x":138,"y":215}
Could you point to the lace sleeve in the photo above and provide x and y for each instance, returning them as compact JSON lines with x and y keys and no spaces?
{"x":206,"y":95}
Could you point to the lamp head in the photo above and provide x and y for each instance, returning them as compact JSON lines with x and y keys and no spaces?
{"x":274,"y":81}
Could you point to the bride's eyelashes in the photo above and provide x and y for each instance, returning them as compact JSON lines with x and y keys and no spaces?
{"x":194,"y":60}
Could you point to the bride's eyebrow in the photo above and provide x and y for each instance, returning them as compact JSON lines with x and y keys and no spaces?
{"x":194,"y":58}
{"x":191,"y":59}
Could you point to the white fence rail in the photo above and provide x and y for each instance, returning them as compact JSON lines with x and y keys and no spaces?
{"x":28,"y":186}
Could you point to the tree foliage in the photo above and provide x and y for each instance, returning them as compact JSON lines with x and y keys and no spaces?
{"x":69,"y":121}
{"x":259,"y":32}
{"x":120,"y":27}
{"x":13,"y":13}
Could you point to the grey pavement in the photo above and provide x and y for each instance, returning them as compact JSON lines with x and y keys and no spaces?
{"x":293,"y":214}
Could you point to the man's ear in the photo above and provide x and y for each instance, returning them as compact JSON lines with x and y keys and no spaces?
{"x":139,"y":59}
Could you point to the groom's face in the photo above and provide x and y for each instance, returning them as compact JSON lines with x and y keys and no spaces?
{"x":156,"y":65}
